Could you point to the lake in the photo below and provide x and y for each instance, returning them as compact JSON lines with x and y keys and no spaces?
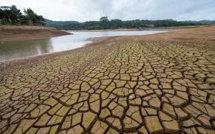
{"x":25,"y":48}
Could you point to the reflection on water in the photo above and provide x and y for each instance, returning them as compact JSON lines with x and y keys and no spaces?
{"x":26,"y":48}
{"x":17,"y":49}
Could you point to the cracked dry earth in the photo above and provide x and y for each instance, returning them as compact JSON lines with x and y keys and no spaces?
{"x":123,"y":85}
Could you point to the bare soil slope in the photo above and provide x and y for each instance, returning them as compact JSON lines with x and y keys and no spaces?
{"x":10,"y":33}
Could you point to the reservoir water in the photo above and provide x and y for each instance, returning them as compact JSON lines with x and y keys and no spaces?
{"x":25,"y":48}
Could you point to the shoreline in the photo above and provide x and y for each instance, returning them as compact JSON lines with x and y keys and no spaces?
{"x":171,"y":35}
{"x":93,"y":40}
{"x":144,"y":29}
{"x":14,"y":64}
{"x":116,"y":30}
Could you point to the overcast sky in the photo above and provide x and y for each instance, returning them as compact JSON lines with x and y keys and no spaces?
{"x":85,"y":10}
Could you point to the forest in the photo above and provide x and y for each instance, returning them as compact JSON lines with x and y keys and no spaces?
{"x":104,"y":23}
{"x":13,"y":16}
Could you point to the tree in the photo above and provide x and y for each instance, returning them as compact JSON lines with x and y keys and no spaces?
{"x":30,"y":15}
{"x":33,"y":18}
{"x":104,"y":19}
{"x":13,"y":16}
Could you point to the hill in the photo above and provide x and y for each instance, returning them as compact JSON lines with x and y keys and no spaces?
{"x":59,"y":24}
{"x":209,"y":22}
{"x":120,"y":24}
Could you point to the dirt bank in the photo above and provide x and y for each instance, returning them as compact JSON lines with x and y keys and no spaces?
{"x":11,"y":33}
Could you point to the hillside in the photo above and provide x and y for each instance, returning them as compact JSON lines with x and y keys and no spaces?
{"x":121,"y":24}
{"x":209,"y":22}
{"x":59,"y":24}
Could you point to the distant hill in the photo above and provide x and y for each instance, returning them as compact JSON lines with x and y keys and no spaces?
{"x":203,"y":22}
{"x":59,"y":24}
{"x":209,"y":22}
{"x":116,"y":24}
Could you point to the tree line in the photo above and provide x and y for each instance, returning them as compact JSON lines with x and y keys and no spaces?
{"x":13,"y":16}
{"x":118,"y":24}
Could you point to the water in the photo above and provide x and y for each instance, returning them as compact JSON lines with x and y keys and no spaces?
{"x":18,"y":49}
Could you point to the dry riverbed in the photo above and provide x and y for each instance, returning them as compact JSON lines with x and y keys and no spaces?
{"x":162,"y":83}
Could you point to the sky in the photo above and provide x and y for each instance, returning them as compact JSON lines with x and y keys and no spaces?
{"x":87,"y":10}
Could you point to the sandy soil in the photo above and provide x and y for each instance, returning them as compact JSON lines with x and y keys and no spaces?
{"x":11,"y":33}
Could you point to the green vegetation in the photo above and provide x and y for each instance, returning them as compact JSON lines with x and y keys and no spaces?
{"x":13,"y":16}
{"x":104,"y":23}
{"x":59,"y":24}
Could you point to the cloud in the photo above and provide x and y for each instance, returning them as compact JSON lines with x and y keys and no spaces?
{"x":85,"y":10}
